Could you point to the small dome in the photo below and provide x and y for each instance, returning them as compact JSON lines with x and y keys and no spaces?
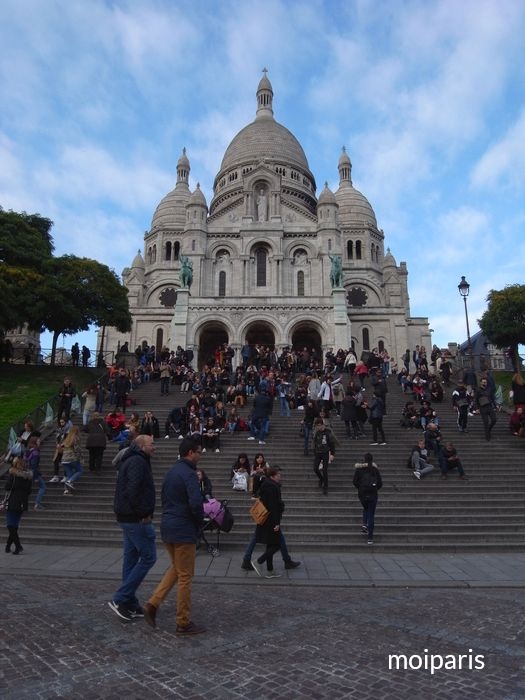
{"x":171,"y":212}
{"x":138,"y":261}
{"x":198,"y":198}
{"x":265,"y":84}
{"x":389,"y":260}
{"x":327,"y":196}
{"x":354,"y":207}
{"x":344,"y":159}
{"x":183,"y":161}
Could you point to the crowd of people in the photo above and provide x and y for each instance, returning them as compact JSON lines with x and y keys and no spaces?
{"x":322,"y":389}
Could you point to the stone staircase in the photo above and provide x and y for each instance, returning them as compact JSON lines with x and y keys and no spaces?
{"x":484,"y":513}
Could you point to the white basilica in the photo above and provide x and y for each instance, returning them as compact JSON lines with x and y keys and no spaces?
{"x":268,"y":261}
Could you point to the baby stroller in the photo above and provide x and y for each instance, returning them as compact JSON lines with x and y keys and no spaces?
{"x":217,"y":518}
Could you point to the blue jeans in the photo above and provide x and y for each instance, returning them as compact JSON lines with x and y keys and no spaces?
{"x":251,"y":546}
{"x":41,"y":489}
{"x":307,"y":431}
{"x":284,"y":406}
{"x":140,"y":554}
{"x":369,"y":510}
{"x":72,"y":470}
{"x":262,"y":426}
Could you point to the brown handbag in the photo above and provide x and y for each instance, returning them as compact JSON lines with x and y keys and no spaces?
{"x":259,"y":512}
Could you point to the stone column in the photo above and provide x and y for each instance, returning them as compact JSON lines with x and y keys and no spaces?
{"x":179,"y":321}
{"x":342,"y":325}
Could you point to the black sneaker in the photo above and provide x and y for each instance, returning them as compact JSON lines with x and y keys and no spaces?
{"x":246,"y":565}
{"x":291,"y":564}
{"x":137,"y":612}
{"x":121,"y":611}
{"x":364,"y":529}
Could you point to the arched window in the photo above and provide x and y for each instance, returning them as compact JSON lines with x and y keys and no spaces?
{"x":358,"y":250}
{"x":154,"y":253}
{"x":300,"y":283}
{"x":366,"y":339}
{"x":168,"y":251}
{"x":373,"y":252}
{"x":176,"y":250}
{"x":260,"y":266}
{"x":150,"y":255}
{"x":350,"y":250}
{"x":160,"y":336}
{"x":222,"y":283}
{"x":381,"y":345}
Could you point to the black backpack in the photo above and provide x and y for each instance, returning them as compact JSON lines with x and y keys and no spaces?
{"x":368,"y":481}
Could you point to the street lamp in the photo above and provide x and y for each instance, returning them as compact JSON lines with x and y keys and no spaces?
{"x":464,"y":289}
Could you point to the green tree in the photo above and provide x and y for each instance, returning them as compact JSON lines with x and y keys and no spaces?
{"x":77,"y":293}
{"x":25,"y":246}
{"x":504,"y":320}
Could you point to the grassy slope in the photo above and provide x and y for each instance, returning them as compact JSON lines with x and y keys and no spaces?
{"x":22,"y":388}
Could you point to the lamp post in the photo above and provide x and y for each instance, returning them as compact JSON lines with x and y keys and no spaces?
{"x":464,"y":289}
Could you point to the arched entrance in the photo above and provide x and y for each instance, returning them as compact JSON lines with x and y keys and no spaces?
{"x":305,"y":336}
{"x":260,"y":333}
{"x":212,"y":335}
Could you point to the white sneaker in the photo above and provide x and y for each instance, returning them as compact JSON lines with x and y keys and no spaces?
{"x":417,"y":475}
{"x":166,"y":437}
{"x":63,"y":480}
{"x":261,"y":442}
{"x":217,"y":450}
{"x":203,"y":450}
{"x":272,"y":574}
{"x":251,"y":438}
{"x":54,"y":480}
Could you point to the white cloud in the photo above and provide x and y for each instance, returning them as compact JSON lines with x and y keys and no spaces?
{"x":99,"y":98}
{"x":503,"y":164}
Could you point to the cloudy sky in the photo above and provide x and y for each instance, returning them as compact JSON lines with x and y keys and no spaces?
{"x":99,"y":98}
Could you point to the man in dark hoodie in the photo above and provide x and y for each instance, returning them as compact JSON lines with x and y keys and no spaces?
{"x":134,"y":504}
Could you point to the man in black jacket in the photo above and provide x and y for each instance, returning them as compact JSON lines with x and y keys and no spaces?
{"x":324,"y":452}
{"x":260,"y":420}
{"x":122,"y":386}
{"x":134,"y":504}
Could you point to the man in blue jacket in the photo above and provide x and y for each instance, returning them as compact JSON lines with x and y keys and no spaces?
{"x":182,"y":520}
{"x":134,"y":504}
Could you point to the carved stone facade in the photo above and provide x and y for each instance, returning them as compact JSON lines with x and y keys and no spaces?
{"x":271,"y":262}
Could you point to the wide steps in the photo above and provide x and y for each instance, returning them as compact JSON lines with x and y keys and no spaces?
{"x":485,"y":512}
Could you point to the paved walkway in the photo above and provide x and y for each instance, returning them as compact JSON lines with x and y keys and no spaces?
{"x":363,"y":569}
{"x":341,"y":627}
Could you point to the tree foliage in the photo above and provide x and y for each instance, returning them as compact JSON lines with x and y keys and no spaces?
{"x":504,"y":320}
{"x":25,"y":246}
{"x":77,"y":293}
{"x":64,"y":295}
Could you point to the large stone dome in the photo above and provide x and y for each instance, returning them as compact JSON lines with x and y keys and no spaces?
{"x":264,"y":139}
